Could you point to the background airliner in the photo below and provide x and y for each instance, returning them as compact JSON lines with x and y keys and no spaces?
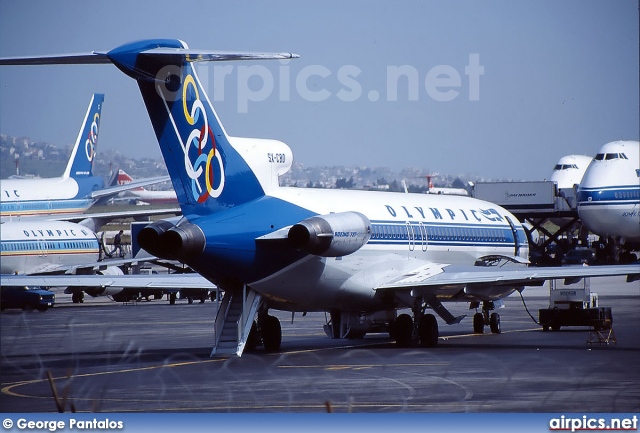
{"x":44,"y":247}
{"x":68,"y":196}
{"x":569,"y":170}
{"x":567,"y":174}
{"x":145,"y":195}
{"x":69,"y":193}
{"x":609,"y":197}
{"x":358,"y":255}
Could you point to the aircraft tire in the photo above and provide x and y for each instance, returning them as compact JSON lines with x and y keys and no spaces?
{"x":494,"y":323}
{"x":428,"y":331}
{"x":271,"y":334}
{"x":403,"y":330}
{"x":478,"y":323}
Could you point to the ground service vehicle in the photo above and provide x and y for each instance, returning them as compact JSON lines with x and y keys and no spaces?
{"x":574,"y":306}
{"x":25,"y":298}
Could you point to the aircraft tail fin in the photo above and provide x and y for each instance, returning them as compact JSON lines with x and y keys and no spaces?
{"x":208,"y":173}
{"x":124,"y":179}
{"x":81,"y":161}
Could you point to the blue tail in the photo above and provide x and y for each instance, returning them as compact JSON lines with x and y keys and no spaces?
{"x":207,"y":172}
{"x":80,"y":164}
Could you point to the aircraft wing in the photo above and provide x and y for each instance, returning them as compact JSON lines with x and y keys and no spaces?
{"x":95,"y":220}
{"x":137,"y":281}
{"x":111,"y":215}
{"x":492,"y":282}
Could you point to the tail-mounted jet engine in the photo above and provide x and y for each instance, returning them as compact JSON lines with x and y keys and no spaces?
{"x":172,"y":242}
{"x":332,"y":235}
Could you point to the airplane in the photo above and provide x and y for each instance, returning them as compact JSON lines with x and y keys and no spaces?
{"x":444,"y":190}
{"x":569,"y":170}
{"x":360,"y":255}
{"x":609,"y":197}
{"x":66,"y":196}
{"x":144,"y":195}
{"x":69,"y":193}
{"x":45,"y":247}
{"x":567,"y":174}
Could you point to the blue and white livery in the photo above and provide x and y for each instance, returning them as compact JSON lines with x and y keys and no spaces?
{"x":609,"y":194}
{"x":358,"y":255}
{"x":67,"y":194}
{"x":34,"y":247}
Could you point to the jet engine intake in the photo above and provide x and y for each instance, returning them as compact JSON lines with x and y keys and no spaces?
{"x":105,"y":291}
{"x":332,"y":235}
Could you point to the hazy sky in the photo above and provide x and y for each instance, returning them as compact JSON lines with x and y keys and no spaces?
{"x":494,"y":88}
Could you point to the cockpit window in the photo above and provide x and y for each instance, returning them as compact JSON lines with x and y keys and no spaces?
{"x":565,"y":166}
{"x":610,"y":156}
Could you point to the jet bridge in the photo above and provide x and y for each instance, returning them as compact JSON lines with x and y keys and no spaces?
{"x":538,"y":203}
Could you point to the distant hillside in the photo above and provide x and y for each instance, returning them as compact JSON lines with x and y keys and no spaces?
{"x":48,"y":160}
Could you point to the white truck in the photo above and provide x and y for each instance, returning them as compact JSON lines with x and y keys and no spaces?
{"x":574,"y":305}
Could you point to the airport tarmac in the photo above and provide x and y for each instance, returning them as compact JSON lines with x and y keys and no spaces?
{"x":154,"y":357}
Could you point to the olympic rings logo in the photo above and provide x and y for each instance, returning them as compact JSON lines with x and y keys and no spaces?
{"x":92,"y":139}
{"x":199,"y":138}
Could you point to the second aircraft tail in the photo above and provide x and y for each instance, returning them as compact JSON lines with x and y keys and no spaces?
{"x":80,"y":163}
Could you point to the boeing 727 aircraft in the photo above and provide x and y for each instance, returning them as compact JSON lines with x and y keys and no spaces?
{"x":358,"y":255}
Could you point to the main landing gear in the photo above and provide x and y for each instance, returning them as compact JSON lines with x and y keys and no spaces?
{"x":480,"y":320}
{"x":266,"y":331}
{"x":423,"y":328}
{"x":77,"y":297}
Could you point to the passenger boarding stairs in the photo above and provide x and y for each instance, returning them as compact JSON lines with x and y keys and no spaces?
{"x":233,"y":321}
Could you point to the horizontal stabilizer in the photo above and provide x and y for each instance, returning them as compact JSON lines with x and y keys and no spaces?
{"x":217,"y":56}
{"x":190,"y":55}
{"x":91,"y":58}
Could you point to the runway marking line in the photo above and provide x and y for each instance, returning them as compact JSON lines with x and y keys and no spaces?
{"x":8,"y":390}
{"x":364,"y":366}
